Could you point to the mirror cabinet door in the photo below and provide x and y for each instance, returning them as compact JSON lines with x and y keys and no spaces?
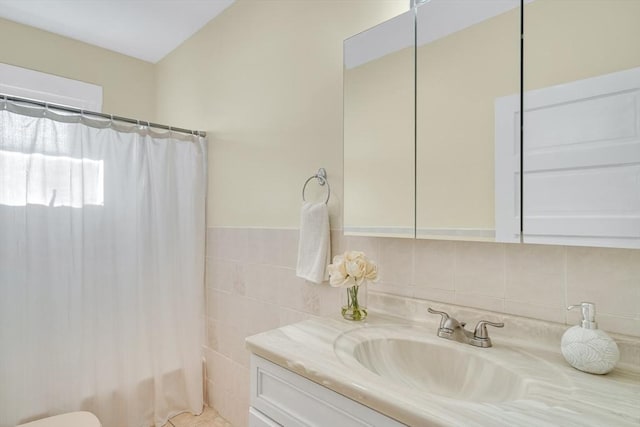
{"x":581,"y":134}
{"x":379,"y":177}
{"x":468,"y":86}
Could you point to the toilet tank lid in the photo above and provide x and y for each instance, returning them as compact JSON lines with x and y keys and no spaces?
{"x":72,"y":419}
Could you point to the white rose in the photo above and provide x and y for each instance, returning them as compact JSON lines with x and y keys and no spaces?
{"x":353,"y":255}
{"x":351,"y":268}
{"x":356,"y":269}
{"x":371,"y":272}
{"x":337,"y":272}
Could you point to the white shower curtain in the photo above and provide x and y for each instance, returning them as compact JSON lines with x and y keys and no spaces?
{"x":101,"y":269}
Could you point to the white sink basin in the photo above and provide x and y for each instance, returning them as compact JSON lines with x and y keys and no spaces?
{"x":418,"y":359}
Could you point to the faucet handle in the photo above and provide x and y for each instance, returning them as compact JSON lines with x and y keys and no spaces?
{"x":445,"y":316}
{"x":481,"y":329}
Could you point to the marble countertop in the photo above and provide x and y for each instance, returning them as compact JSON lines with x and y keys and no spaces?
{"x":568,"y":397}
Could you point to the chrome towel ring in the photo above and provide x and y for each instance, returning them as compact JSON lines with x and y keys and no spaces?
{"x":321,"y":176}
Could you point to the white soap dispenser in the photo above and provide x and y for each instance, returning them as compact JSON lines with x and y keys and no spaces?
{"x":588,"y":348}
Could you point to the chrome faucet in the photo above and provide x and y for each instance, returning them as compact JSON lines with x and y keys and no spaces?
{"x":451,"y":329}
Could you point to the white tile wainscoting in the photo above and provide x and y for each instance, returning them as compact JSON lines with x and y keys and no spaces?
{"x":252,"y":287}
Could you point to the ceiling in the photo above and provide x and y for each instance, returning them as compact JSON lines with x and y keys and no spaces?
{"x":145,"y":29}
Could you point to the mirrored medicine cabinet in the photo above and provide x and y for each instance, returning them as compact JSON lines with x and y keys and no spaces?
{"x":432,"y":126}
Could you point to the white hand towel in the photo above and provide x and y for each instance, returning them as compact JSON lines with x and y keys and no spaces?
{"x":314,"y":246}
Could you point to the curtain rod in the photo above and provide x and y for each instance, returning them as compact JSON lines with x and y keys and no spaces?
{"x":102,"y":115}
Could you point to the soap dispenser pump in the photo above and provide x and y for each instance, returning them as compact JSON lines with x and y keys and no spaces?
{"x":588,"y":348}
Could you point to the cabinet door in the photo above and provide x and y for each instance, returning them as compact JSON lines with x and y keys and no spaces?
{"x":258,"y":419}
{"x":581,"y":139}
{"x":467,"y":59}
{"x":379,"y":192}
{"x":293,"y":401}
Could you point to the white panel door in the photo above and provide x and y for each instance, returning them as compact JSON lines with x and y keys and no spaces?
{"x":507,"y":169}
{"x":581,"y":162}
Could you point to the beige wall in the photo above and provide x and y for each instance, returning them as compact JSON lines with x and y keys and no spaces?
{"x":265,"y":80}
{"x":128,"y":84}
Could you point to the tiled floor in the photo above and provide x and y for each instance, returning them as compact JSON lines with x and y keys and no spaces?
{"x":209,"y":418}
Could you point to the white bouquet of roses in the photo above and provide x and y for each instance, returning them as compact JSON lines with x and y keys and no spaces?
{"x":351,"y":269}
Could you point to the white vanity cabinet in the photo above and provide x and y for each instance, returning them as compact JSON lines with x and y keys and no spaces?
{"x":280,"y":397}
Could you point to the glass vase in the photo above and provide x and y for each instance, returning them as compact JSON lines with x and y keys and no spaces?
{"x":354,"y":302}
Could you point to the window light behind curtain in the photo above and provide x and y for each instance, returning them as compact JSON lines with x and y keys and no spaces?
{"x":101,"y":268}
